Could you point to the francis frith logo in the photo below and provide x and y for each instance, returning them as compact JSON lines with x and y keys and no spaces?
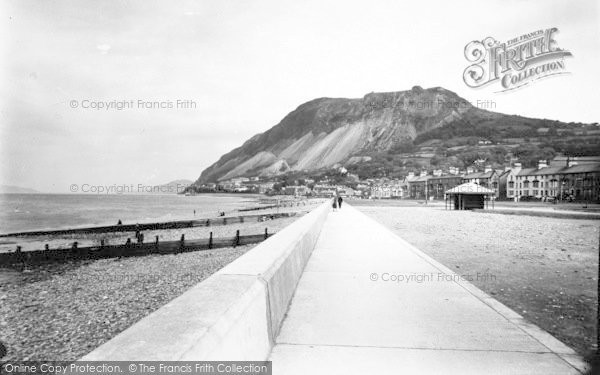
{"x":516,"y":62}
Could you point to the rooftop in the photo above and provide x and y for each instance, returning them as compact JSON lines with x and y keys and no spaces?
{"x":455,"y":176}
{"x":479,"y":175}
{"x":470,"y":188}
{"x":583,"y":168}
{"x":562,"y":160}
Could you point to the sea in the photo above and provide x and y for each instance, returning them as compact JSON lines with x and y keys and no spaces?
{"x":27,"y":212}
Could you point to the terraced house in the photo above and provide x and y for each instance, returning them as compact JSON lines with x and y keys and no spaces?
{"x":417,"y":185}
{"x":489,"y":178}
{"x":388,"y":189}
{"x":568,"y":182}
{"x":438,"y":185}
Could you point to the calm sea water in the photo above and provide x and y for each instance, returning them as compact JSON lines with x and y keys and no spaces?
{"x":24,"y":212}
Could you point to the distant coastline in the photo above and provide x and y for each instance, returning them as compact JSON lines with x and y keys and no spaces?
{"x":11,"y":189}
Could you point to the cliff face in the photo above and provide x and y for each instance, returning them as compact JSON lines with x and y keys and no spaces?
{"x":328,"y":131}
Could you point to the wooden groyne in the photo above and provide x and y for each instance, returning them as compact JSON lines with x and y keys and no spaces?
{"x":257,"y":208}
{"x":128,"y":249}
{"x":280,"y":205}
{"x":225,"y":220}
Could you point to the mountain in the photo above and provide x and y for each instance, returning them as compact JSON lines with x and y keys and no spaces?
{"x":387,"y":131}
{"x":10,"y":189}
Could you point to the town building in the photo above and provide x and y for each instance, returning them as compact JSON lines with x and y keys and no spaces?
{"x":488,"y":178}
{"x":325,"y":190}
{"x":265,"y":187}
{"x":387,"y":189}
{"x":561,"y":161}
{"x":296,"y":190}
{"x":345,"y":191}
{"x":237,"y":181}
{"x":502,"y":183}
{"x":567,"y":182}
{"x":437,"y":185}
{"x":417,"y":186}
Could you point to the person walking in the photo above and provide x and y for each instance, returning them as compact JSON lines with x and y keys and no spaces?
{"x":334,"y":205}
{"x":340,"y":200}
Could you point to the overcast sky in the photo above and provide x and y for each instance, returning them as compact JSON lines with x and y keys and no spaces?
{"x":245,"y":64}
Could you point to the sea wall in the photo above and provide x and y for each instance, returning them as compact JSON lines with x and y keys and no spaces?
{"x":233,"y":315}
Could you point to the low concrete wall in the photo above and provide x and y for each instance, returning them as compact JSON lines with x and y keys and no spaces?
{"x":233,"y":315}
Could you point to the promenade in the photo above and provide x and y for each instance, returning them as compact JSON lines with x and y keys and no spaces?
{"x":370,"y":303}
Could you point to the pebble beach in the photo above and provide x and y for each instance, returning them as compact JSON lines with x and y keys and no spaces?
{"x":62,"y":311}
{"x":251,"y":226}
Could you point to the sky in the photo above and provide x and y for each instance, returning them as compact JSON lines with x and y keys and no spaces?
{"x":232,"y":69}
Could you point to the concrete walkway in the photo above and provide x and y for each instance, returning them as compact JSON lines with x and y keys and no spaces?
{"x":349,"y":315}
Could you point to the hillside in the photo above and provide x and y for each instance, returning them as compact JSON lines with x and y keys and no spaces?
{"x":391,"y":133}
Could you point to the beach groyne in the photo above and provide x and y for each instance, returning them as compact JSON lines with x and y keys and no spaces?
{"x":282,"y":204}
{"x":128,"y":249}
{"x":234,"y":314}
{"x":179,"y":224}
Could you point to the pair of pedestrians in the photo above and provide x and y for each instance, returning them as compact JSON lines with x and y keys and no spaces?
{"x":337,"y":203}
